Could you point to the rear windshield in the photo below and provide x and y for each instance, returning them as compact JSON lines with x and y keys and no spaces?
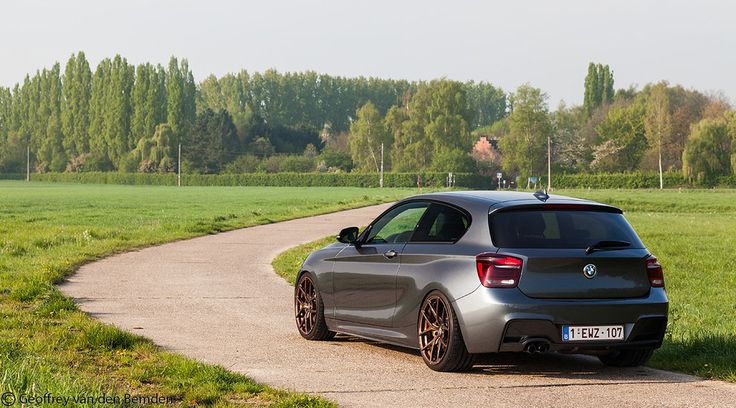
{"x":559,"y":229}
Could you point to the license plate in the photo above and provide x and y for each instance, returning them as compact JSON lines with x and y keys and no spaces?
{"x":588,"y":333}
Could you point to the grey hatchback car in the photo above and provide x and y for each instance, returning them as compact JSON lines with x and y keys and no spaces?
{"x":457,"y":274}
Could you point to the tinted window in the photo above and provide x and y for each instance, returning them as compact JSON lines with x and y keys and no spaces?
{"x":559,"y":229}
{"x":397,"y":225}
{"x":442,"y":224}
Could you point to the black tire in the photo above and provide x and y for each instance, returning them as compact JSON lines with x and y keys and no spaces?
{"x":448,"y":352}
{"x":627,"y":358}
{"x":309,"y":310}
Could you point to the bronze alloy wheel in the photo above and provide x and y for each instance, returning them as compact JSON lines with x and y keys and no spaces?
{"x":305,"y":304}
{"x":440,"y":340}
{"x":434,"y":329}
{"x":309,"y":310}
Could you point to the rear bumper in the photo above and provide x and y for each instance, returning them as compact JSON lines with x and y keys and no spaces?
{"x":495,"y":320}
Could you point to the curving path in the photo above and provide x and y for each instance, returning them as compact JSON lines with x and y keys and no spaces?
{"x":217,"y":299}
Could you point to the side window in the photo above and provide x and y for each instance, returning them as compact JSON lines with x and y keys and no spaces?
{"x":397,"y":225}
{"x":442,"y":224}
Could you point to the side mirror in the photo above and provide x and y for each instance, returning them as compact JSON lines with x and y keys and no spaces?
{"x":348,"y":235}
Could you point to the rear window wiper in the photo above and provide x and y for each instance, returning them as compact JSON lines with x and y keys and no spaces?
{"x":606,"y":245}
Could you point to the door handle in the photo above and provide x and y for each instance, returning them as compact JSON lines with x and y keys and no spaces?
{"x":390,"y":254}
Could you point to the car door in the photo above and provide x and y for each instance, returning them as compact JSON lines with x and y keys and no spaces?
{"x":364,"y":278}
{"x":431,"y":259}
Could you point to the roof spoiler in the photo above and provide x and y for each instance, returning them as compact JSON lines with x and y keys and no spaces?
{"x":560,"y":207}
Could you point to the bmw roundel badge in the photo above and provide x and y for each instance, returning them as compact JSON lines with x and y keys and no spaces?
{"x":590,"y":271}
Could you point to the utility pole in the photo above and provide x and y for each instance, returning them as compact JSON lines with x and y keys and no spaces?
{"x":549,"y":163}
{"x":28,"y":163}
{"x":381,"y":181}
{"x":178,"y":168}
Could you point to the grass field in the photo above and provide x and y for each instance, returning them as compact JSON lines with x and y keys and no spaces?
{"x":693,"y":233}
{"x":47,"y":230}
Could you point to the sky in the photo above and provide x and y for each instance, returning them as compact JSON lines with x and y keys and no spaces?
{"x":547,"y":44}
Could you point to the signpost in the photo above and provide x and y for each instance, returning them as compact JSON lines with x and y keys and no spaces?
{"x":530,"y":181}
{"x":499,"y":176}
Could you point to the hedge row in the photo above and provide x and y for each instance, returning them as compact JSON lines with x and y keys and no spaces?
{"x":636,"y":180}
{"x":618,"y":180}
{"x":465,"y":180}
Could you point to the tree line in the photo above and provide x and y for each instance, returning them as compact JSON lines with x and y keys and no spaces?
{"x":132,"y":118}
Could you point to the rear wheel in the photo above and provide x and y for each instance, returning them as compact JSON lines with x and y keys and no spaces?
{"x":440,"y":340}
{"x":627,"y":358}
{"x":309,"y":310}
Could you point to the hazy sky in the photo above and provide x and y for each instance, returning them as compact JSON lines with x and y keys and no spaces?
{"x":546,"y":43}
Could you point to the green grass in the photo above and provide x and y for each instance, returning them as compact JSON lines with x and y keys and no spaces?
{"x":48,"y":230}
{"x":287,"y":263}
{"x":693,"y":233}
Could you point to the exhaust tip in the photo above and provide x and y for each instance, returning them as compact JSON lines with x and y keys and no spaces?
{"x":536,"y":346}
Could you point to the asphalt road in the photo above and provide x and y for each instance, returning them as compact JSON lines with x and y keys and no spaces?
{"x":217,"y":299}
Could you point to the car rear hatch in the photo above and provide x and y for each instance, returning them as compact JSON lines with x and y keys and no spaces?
{"x":572,"y":251}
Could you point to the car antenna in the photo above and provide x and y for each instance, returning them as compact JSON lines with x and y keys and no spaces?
{"x":541,"y":195}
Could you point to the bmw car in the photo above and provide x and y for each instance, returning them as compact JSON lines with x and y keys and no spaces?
{"x":457,"y":274}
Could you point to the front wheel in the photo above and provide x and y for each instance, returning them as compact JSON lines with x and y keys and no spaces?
{"x":309,"y":310}
{"x":627,"y":358}
{"x":440,"y":340}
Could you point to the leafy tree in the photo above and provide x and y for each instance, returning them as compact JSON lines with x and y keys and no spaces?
{"x":687,"y":108}
{"x":261,"y":146}
{"x":731,"y":118}
{"x":708,"y":151}
{"x":434,"y":123}
{"x":448,"y":116}
{"x":570,"y":150}
{"x":486,"y":103}
{"x":291,"y":140}
{"x":621,"y":140}
{"x":213,"y":140}
{"x":310,"y":151}
{"x":524,"y":149}
{"x":367,"y":135}
{"x":155,"y":153}
{"x":453,"y":160}
{"x":657,"y":122}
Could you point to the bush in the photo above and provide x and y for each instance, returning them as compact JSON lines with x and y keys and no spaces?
{"x":297,"y":164}
{"x":247,"y":163}
{"x":336,"y":160}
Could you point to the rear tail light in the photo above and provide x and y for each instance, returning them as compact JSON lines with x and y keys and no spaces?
{"x":498,"y":271}
{"x":654,"y":270}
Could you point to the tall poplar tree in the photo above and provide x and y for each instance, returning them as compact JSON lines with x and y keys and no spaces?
{"x":77,"y":87}
{"x":117,"y":118}
{"x":598,"y":87}
{"x":98,"y":108}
